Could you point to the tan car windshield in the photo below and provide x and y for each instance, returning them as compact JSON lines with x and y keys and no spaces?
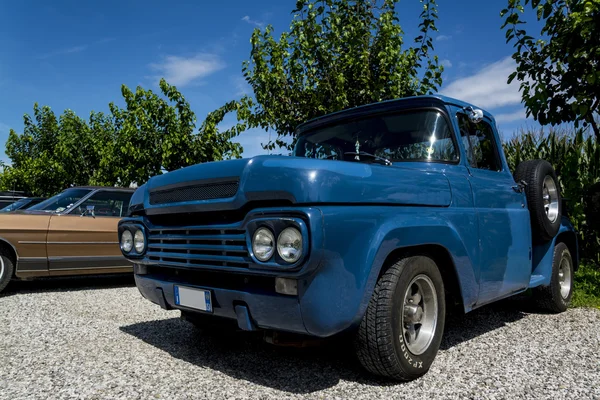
{"x":62,"y":201}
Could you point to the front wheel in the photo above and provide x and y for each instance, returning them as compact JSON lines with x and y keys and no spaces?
{"x":402,"y":329}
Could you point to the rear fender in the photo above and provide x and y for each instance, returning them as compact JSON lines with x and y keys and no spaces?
{"x":543,"y":254}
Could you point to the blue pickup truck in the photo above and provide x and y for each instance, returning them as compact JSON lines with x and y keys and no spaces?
{"x":385,"y":217}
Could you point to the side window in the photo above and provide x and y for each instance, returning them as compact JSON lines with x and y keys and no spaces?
{"x":480,"y":144}
{"x":108,"y":203}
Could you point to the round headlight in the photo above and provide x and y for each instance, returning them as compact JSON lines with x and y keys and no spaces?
{"x":126,"y":241}
{"x":289,"y":244}
{"x":263,"y":244}
{"x":139,"y":242}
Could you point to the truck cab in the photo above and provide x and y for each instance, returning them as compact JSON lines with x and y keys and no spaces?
{"x":384,"y":216}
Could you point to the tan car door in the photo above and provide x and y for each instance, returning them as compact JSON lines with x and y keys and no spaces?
{"x":86,"y":242}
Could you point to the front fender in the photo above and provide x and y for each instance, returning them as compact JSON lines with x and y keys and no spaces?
{"x":358,"y":241}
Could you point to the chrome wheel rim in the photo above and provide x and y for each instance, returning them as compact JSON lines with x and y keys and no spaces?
{"x":550,"y":197}
{"x":1,"y":268}
{"x":419,"y":314}
{"x":564,"y":277}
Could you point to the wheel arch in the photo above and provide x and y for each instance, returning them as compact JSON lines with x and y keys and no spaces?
{"x":570,"y":239}
{"x":9,"y":250}
{"x":441,"y":256}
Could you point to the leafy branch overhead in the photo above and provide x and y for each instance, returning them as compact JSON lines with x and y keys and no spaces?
{"x":559,"y":70}
{"x":337,"y":54}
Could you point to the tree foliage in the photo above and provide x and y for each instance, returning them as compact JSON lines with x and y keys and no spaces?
{"x":152,"y":134}
{"x":560,"y":70}
{"x":337,"y":54}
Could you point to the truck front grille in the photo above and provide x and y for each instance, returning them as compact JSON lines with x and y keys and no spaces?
{"x":190,"y":247}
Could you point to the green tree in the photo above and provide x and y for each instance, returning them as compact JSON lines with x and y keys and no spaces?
{"x":150,"y":135}
{"x":34,"y":167}
{"x":154,"y":136}
{"x":337,"y":54}
{"x":560,"y":70}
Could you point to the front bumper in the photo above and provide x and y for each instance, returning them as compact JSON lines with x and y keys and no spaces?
{"x":266,"y":311}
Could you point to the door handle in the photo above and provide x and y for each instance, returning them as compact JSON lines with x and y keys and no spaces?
{"x":520,"y":186}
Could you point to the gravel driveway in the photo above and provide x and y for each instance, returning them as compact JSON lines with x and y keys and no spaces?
{"x":64,"y":339}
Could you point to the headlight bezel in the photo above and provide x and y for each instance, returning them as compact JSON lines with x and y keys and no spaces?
{"x":277,"y":225}
{"x":133,"y":228}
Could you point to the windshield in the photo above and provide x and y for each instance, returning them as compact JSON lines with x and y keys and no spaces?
{"x":61,"y":201}
{"x":15,"y":206}
{"x":407,"y":136}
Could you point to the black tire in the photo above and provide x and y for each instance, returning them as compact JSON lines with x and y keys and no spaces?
{"x":591,"y":207}
{"x":381,"y":345}
{"x":533,"y":173}
{"x":549,"y":297}
{"x":7,"y":270}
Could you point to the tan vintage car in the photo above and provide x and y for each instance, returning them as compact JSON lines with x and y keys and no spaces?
{"x":72,"y":233}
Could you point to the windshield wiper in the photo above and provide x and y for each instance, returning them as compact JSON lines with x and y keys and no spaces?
{"x":381,"y":160}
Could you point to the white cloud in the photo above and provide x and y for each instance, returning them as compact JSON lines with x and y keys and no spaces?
{"x":511,"y":116}
{"x":181,"y":71}
{"x":441,"y":38}
{"x":251,"y":21}
{"x":487,"y":88}
{"x":446,"y":63}
{"x":68,"y":50}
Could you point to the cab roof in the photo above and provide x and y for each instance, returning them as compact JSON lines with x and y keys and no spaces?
{"x":387,"y":105}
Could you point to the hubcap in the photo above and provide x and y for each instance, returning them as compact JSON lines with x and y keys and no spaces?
{"x":550,"y":197}
{"x":419,"y":317}
{"x":564,"y":277}
{"x":1,"y":268}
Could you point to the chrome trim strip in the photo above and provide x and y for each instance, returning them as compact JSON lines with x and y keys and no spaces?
{"x":87,"y":258}
{"x":84,"y":268}
{"x":82,"y":242}
{"x":30,"y":242}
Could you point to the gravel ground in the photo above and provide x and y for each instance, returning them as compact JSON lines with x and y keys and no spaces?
{"x":64,"y":339}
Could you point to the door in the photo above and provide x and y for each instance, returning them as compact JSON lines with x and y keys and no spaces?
{"x":85,"y":241}
{"x":503,"y":219}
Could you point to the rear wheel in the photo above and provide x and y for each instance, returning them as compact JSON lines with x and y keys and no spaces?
{"x":402,"y":329}
{"x":557,"y":296}
{"x":7,"y":269}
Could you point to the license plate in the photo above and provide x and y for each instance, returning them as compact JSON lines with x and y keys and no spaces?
{"x":194,"y":298}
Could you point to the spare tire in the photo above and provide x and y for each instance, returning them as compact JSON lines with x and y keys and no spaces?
{"x":543,"y":198}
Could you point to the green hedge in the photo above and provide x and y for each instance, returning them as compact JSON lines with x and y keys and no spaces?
{"x":575,"y":156}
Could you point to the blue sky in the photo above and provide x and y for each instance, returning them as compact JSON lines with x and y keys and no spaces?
{"x":76,"y":54}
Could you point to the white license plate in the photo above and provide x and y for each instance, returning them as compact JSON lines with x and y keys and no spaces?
{"x":194,"y":298}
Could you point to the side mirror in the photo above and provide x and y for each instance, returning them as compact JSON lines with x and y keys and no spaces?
{"x":475,"y":114}
{"x":89,"y":210}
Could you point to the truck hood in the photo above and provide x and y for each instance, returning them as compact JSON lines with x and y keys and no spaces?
{"x":293,"y":179}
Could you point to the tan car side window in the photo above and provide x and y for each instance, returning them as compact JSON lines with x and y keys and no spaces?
{"x":108,"y":204}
